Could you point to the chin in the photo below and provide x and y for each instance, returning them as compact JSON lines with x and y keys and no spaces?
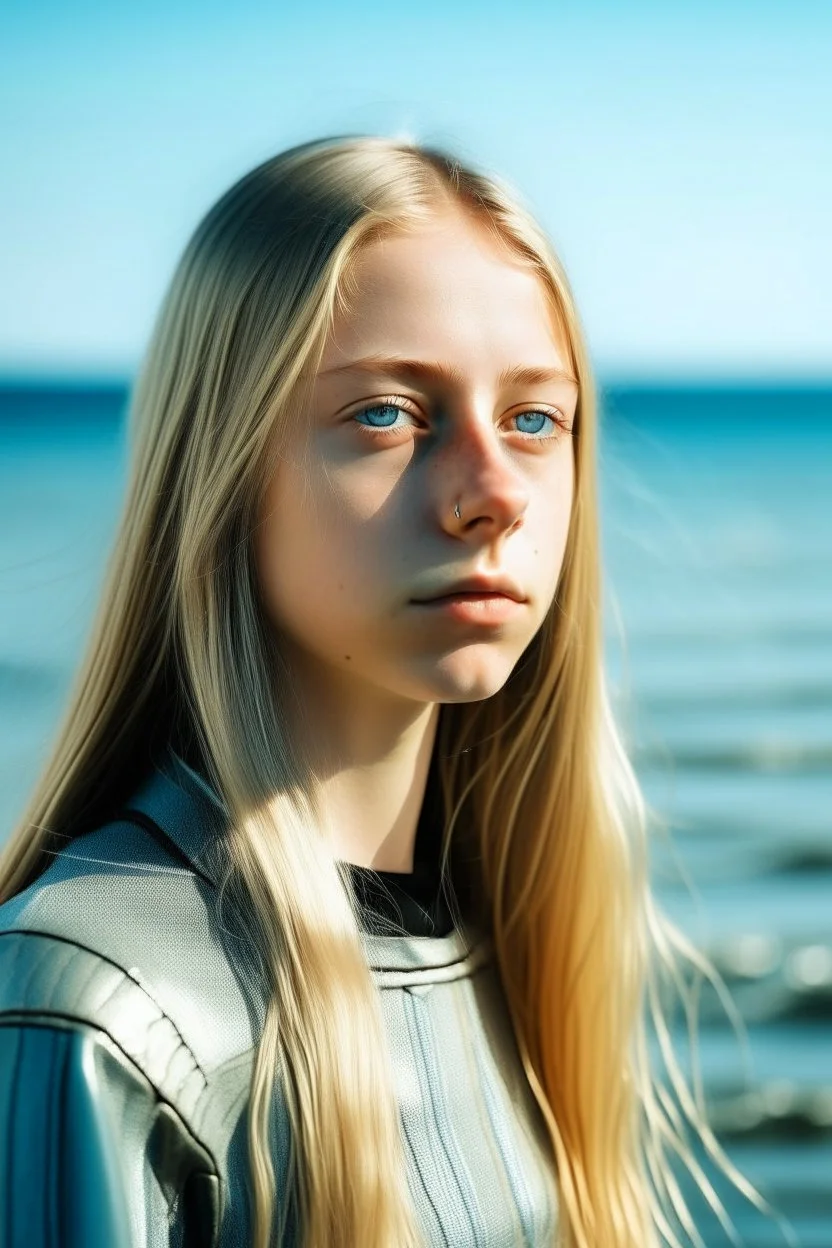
{"x":460,"y":678}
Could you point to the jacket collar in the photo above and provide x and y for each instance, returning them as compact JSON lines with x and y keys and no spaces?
{"x":189,"y":813}
{"x":187,"y":810}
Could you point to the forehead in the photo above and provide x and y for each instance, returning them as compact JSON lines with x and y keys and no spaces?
{"x":447,"y":287}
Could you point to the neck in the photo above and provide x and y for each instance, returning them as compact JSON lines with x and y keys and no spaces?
{"x":371,"y":806}
{"x":371,"y":753}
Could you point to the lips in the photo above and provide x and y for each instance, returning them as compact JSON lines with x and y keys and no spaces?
{"x":474,"y":610}
{"x":476,"y":587}
{"x":467,"y":593}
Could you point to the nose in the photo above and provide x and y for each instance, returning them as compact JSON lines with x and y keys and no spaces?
{"x":477,"y":471}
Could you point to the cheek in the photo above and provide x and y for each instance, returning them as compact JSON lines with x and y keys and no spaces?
{"x":290,"y":568}
{"x":306,"y":557}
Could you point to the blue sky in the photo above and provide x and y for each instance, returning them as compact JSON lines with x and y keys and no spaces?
{"x":680,"y":156}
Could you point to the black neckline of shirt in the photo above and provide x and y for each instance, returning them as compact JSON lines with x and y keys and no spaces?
{"x":391,"y":903}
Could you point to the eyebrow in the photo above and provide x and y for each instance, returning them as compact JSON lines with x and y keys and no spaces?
{"x":425,"y":370}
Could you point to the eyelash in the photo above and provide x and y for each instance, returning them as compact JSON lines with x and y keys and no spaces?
{"x":396,"y":402}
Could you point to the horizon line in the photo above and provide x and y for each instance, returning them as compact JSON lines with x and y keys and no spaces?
{"x":605,"y":379}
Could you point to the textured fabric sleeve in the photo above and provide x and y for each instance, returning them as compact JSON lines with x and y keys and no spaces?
{"x":89,"y":1156}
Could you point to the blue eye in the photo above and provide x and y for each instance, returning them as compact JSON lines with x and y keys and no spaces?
{"x":392,"y":406}
{"x":380,"y":407}
{"x":537,"y":415}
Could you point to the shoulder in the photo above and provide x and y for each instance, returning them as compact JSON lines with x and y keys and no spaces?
{"x":103,"y":889}
{"x":122,"y":934}
{"x":94,"y":940}
{"x":120,"y":982}
{"x":116,"y":985}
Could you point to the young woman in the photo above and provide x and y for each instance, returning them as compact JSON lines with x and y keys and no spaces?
{"x":328,"y":923}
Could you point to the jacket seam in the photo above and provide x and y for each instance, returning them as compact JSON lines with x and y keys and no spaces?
{"x":43,"y":1018}
{"x":75,"y":944}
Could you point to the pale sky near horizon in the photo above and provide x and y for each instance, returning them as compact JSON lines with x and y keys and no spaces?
{"x":679,"y":155}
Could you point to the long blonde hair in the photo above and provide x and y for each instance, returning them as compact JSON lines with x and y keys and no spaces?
{"x":539,"y":799}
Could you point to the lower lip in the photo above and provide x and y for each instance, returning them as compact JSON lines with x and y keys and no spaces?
{"x":474,"y":608}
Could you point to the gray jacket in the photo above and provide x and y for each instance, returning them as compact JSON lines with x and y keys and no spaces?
{"x":127,"y":1028}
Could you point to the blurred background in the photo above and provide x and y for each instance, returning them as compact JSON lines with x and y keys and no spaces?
{"x":681,"y":158}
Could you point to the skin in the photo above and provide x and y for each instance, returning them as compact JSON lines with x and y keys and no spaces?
{"x":357,"y":523}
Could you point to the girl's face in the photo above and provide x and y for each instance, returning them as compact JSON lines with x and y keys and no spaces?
{"x":359,"y":517}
